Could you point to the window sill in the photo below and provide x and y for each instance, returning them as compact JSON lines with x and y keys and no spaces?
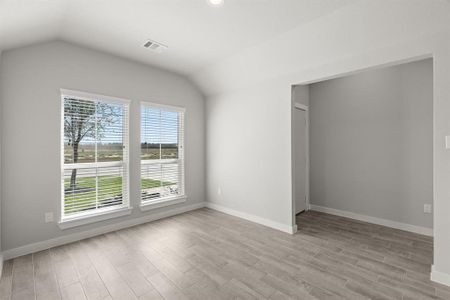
{"x":162,"y":203}
{"x":94,"y":217}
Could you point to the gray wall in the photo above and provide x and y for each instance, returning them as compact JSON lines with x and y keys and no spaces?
{"x":246,"y":131}
{"x":30,"y":79}
{"x":1,"y":257}
{"x":371,"y":143}
{"x":300,"y":94}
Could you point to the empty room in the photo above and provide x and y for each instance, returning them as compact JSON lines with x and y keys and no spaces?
{"x":224,"y":149}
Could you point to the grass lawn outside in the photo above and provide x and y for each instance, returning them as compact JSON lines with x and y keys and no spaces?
{"x":109,"y":192}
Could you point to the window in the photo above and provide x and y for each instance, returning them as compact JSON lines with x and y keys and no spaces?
{"x":162,"y":153}
{"x":94,"y":155}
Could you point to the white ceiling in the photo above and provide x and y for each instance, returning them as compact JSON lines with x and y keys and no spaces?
{"x":197,"y":34}
{"x":361,"y":32}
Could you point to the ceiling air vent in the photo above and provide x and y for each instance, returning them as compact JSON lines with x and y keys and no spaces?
{"x":155,"y":46}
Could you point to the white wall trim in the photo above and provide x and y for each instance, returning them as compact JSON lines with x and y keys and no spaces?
{"x":98,"y":216}
{"x":374,"y":220}
{"x":39,"y":246}
{"x":1,"y":265}
{"x":162,"y":203}
{"x":252,"y":218}
{"x":439,"y":277}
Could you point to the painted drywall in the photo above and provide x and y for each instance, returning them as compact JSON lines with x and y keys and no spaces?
{"x":31,"y":79}
{"x":371,"y":143}
{"x":348,"y":40}
{"x":242,"y":153}
{"x":1,"y":256}
{"x":304,"y":52}
{"x":300,"y":94}
{"x":245,"y":172}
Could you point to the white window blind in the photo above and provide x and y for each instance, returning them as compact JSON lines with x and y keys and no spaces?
{"x":162,"y":152}
{"x":94,"y":155}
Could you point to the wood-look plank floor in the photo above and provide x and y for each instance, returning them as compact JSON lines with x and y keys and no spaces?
{"x":209,"y":255}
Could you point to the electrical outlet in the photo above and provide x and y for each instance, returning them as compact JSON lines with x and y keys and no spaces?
{"x":427,"y":208}
{"x":48,"y":217}
{"x":219,"y":191}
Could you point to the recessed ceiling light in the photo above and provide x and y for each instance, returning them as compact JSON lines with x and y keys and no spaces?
{"x":215,"y":2}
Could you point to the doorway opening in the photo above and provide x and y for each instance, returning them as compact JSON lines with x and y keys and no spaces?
{"x":365,"y":150}
{"x":300,"y":144}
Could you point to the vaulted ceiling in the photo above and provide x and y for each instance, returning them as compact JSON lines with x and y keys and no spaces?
{"x":197,"y":35}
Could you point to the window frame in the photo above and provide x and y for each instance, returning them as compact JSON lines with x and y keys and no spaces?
{"x":96,"y":215}
{"x":170,"y":200}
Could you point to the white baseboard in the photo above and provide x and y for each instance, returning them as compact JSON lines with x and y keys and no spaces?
{"x":374,"y":220}
{"x":39,"y":246}
{"x":439,"y":277}
{"x":253,"y":218}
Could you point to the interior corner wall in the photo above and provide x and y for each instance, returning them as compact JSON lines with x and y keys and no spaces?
{"x":247,"y":172}
{"x":317,"y":51}
{"x":371,"y":143}
{"x":30,"y":83}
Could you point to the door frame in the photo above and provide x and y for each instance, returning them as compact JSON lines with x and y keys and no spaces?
{"x":305,"y":108}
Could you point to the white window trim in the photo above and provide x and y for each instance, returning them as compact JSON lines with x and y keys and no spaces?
{"x":164,"y":106}
{"x":95,"y":216}
{"x":162,"y":202}
{"x":98,"y":215}
{"x":171,"y":200}
{"x":93,"y":97}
